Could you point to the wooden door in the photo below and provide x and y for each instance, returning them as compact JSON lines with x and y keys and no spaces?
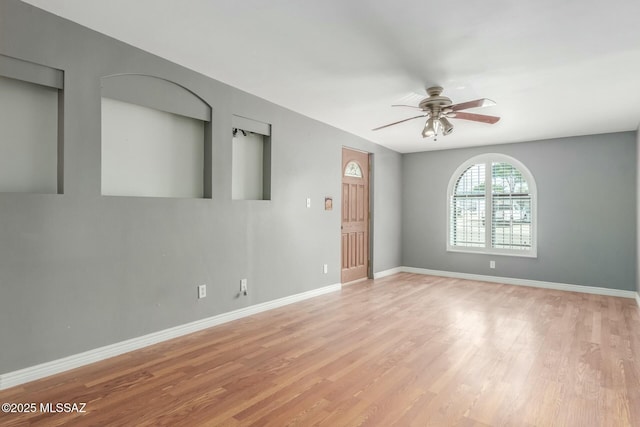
{"x":355,"y":215}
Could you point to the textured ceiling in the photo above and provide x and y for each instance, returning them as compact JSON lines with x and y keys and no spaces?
{"x":554,"y":68}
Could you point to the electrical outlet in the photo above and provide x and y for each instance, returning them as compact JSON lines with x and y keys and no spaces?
{"x":492,"y":264}
{"x":202,"y":291}
{"x":243,"y":286}
{"x":325,"y":268}
{"x":308,"y":202}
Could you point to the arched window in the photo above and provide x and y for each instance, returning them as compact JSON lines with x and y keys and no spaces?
{"x":353,"y":170}
{"x":492,"y":207}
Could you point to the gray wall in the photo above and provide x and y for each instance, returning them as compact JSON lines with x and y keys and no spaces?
{"x":586,"y":211}
{"x":79,"y":270}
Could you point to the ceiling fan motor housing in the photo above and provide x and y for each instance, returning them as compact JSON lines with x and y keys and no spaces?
{"x":435,"y":102}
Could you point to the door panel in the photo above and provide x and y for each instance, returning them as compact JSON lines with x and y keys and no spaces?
{"x":355,"y":215}
{"x":345,"y":251}
{"x":360,"y":208}
{"x":345,"y":203}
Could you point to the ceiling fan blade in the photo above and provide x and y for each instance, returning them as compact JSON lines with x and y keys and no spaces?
{"x":475,"y":117}
{"x":404,"y":105}
{"x":483,"y":102}
{"x":405,"y":120}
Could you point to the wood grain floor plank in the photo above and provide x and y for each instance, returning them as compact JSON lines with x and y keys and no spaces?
{"x":403,"y":350}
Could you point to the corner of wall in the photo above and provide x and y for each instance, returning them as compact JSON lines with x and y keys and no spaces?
{"x":638,"y":214}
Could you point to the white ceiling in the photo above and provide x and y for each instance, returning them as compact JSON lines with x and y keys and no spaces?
{"x":554,"y":68}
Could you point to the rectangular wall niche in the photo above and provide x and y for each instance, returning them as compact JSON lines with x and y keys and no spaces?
{"x":150,"y":153}
{"x":156,"y":139}
{"x":30,"y":127}
{"x":251,"y":165}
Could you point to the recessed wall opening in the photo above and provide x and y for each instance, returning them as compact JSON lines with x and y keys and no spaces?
{"x":251,"y":163}
{"x":152,"y":153}
{"x":31,"y":127}
{"x":156,"y":139}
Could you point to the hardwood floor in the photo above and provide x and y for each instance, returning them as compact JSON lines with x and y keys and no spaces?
{"x":400,"y":351}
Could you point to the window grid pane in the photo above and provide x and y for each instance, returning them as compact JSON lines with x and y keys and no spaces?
{"x":511,"y":222}
{"x":511,"y":208}
{"x":468,"y":208}
{"x":506,"y":179}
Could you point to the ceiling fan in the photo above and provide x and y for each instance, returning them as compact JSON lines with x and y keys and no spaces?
{"x":439,"y":109}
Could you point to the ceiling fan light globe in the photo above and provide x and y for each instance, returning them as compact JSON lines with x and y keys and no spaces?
{"x":426,"y":133}
{"x":446,"y":126}
{"x":429,"y":129}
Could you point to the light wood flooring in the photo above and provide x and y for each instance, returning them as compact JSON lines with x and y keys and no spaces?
{"x":400,"y":351}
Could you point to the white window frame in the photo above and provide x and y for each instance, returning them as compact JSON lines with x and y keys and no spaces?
{"x":488,"y":159}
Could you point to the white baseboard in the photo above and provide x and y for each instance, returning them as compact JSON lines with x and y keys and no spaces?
{"x":11,"y":379}
{"x":385,"y":273}
{"x":525,"y":282}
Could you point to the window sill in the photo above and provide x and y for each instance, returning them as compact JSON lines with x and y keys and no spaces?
{"x":485,"y":251}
